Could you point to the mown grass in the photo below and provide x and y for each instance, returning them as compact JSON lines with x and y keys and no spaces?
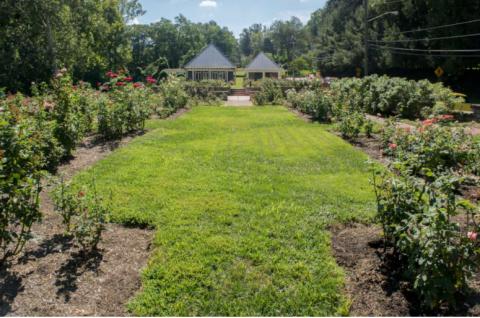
{"x":239,"y":81}
{"x":241,"y":198}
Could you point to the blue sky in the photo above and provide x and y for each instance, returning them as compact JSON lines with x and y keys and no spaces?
{"x":234,"y":14}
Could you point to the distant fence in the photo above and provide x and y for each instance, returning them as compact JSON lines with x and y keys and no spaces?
{"x":251,"y":90}
{"x":476,"y":112}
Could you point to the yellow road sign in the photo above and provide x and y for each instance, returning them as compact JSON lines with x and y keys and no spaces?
{"x":439,"y":71}
{"x":358,"y":71}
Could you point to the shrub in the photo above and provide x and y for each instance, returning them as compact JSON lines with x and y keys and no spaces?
{"x":392,"y":95}
{"x":68,"y":127}
{"x":350,"y":123}
{"x":91,"y":223}
{"x":174,"y":96}
{"x":20,"y":182}
{"x":268,"y":94}
{"x":125,"y":106}
{"x":69,"y":203}
{"x":84,"y":213}
{"x":433,"y":145}
{"x":419,"y":217}
{"x":315,"y":103}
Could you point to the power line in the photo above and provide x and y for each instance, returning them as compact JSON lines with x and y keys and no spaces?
{"x":391,"y":2}
{"x":428,"y":39}
{"x":434,"y":28}
{"x":348,"y":46}
{"x":419,"y":50}
{"x":426,"y":55}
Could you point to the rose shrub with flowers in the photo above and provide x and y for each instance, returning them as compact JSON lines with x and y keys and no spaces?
{"x":433,"y":145}
{"x":21,"y":178}
{"x":421,"y":218}
{"x":84,"y":212}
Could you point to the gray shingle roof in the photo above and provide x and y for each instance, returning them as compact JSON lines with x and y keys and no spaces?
{"x":211,"y":56}
{"x":262,"y":62}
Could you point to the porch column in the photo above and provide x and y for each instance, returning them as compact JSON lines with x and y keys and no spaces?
{"x":209,"y":75}
{"x":263,"y":73}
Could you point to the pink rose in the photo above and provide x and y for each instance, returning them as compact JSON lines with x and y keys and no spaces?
{"x":393,"y":146}
{"x":472,"y":236}
{"x":63,"y":70}
{"x":59,"y":75}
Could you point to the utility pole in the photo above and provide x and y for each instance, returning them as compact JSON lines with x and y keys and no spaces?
{"x":293,"y":60}
{"x":366,"y":36}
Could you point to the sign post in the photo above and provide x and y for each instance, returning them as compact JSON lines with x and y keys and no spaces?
{"x":439,"y":72}
{"x":358,"y":71}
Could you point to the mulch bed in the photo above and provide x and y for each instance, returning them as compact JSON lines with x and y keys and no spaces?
{"x":375,"y":278}
{"x":54,"y":277}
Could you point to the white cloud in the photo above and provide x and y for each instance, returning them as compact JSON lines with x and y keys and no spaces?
{"x":208,"y":3}
{"x":134,"y":22}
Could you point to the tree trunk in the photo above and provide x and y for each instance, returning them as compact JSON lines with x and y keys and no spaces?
{"x":51,"y":44}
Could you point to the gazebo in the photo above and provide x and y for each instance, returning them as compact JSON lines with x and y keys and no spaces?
{"x":211,"y":63}
{"x":263,"y":66}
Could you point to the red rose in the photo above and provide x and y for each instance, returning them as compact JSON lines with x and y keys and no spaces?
{"x":74,"y":87}
{"x":81,"y":194}
{"x":128,"y":79}
{"x":393,"y":146}
{"x":99,"y":84}
{"x":119,"y":84}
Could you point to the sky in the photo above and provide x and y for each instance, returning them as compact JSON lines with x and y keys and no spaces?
{"x":234,"y":14}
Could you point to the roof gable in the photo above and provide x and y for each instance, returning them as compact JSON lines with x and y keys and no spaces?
{"x":211,"y":56}
{"x":262,"y":62}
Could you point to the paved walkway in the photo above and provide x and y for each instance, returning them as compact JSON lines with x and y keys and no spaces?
{"x":475,"y":131}
{"x":238,"y":101}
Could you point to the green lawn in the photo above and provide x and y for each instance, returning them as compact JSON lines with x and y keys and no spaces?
{"x":241,"y":198}
{"x":239,"y":82}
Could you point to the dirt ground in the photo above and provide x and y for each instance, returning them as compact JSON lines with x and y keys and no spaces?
{"x":375,"y":281}
{"x":53,"y":277}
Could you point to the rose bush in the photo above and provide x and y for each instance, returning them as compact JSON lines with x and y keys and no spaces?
{"x":420,"y":217}
{"x":433,"y":145}
{"x":21,"y":180}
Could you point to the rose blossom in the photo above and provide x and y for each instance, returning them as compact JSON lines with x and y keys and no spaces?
{"x":63,"y":70}
{"x":472,"y":236}
{"x":393,"y":146}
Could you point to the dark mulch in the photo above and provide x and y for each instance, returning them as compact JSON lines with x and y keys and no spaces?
{"x":54,"y":277}
{"x":375,"y":281}
{"x":306,"y":118}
